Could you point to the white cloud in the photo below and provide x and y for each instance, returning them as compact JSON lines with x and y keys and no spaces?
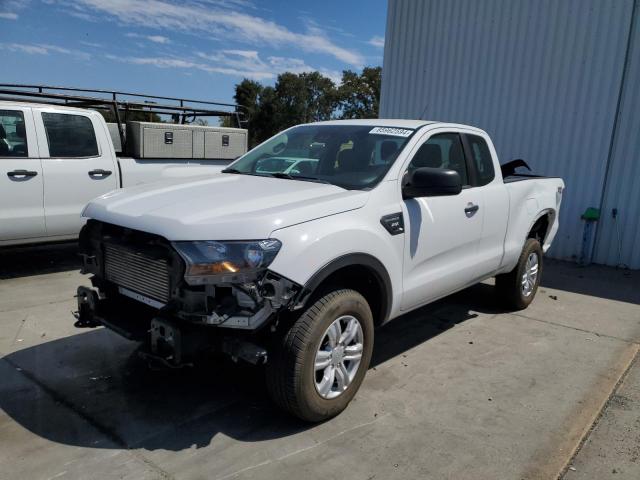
{"x":10,"y":8}
{"x":172,"y":62}
{"x":43,"y":49}
{"x":151,"y":38}
{"x":237,"y":63}
{"x":158,"y":39}
{"x":376,"y":41}
{"x":30,"y":49}
{"x":224,"y":18}
{"x":311,"y":23}
{"x":92,"y":44}
{"x":295,"y":65}
{"x":84,"y":16}
{"x":251,"y":65}
{"x":239,"y":53}
{"x":156,"y":61}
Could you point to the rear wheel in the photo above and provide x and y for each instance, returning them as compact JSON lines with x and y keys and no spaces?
{"x":321,"y":361}
{"x":518,"y":288}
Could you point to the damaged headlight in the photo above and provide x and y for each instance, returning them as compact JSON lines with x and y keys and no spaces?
{"x":222,"y":262}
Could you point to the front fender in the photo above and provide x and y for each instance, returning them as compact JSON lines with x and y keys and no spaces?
{"x":308,"y":248}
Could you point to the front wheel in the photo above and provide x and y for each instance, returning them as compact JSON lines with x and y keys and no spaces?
{"x":518,"y":287}
{"x":320,"y":363}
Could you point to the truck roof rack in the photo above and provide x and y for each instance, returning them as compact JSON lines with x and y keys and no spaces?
{"x":182,"y":110}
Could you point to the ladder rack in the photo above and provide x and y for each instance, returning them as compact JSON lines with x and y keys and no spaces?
{"x":182,"y":110}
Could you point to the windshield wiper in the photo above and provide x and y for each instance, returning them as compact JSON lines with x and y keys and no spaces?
{"x":277,"y":175}
{"x":298,"y":177}
{"x":282,"y":175}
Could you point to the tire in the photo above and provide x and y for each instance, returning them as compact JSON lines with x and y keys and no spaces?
{"x":291,"y":372}
{"x":510,"y":286}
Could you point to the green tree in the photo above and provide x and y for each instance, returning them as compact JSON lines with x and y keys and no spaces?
{"x":360,"y":94}
{"x":135,"y":116}
{"x":291,"y":98}
{"x":264,"y":122}
{"x":303,"y":98}
{"x":321,"y":97}
{"x":227,"y":122}
{"x":247,"y":95}
{"x":306,"y":97}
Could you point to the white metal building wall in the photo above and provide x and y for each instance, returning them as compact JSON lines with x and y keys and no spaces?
{"x":543,"y":78}
{"x":621,"y":243}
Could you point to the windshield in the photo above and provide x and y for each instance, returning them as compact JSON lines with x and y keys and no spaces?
{"x":355,"y":157}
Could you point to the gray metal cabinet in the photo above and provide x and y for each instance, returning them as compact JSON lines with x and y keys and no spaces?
{"x":160,"y":140}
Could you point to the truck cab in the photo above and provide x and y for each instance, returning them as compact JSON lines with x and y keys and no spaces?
{"x":64,"y":159}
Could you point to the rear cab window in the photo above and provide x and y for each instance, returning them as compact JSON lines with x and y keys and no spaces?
{"x":69,"y":135}
{"x":481,"y":159}
{"x":13,"y":137}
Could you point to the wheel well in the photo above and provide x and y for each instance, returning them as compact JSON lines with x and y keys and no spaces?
{"x":364,"y":280}
{"x":540,"y":228}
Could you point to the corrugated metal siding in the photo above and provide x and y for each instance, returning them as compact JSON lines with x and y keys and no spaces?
{"x":541,"y":77}
{"x":623,"y":182}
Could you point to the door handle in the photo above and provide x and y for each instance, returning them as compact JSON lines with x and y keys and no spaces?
{"x":100,"y":172}
{"x":471,"y":209}
{"x":22,"y":173}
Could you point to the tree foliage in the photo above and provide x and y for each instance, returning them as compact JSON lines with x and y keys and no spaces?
{"x":360,"y":94}
{"x":307,"y":97}
{"x":136,"y":116}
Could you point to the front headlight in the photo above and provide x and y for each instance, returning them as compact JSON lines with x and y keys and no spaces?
{"x":220,"y":262}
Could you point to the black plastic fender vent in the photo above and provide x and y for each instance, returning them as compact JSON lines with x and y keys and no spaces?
{"x":393,"y":223}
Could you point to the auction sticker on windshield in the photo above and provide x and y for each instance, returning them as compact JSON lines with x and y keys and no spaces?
{"x":397,"y":132}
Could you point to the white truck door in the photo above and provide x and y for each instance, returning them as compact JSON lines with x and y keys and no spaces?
{"x":21,"y":181}
{"x":495,"y":201}
{"x":78,"y":164}
{"x":441,"y":232}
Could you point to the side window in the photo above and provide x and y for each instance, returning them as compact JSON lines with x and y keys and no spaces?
{"x":13,"y":138}
{"x":443,"y":150}
{"x":70,"y":135}
{"x":482,"y":160}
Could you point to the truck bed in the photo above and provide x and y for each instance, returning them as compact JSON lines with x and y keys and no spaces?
{"x":530,"y":197}
{"x":519,"y":177}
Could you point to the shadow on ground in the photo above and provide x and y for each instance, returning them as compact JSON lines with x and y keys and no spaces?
{"x":618,"y":284}
{"x":36,"y":260}
{"x":99,"y":376}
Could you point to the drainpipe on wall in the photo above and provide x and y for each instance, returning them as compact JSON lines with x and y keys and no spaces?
{"x":590,"y":217}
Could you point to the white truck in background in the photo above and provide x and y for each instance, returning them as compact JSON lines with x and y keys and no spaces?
{"x":55,"y":158}
{"x":296,"y":251}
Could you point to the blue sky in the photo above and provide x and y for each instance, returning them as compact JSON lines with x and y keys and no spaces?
{"x":193,"y":48}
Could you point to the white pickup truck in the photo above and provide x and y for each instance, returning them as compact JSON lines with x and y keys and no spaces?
{"x":54,"y":159}
{"x":295,"y":267}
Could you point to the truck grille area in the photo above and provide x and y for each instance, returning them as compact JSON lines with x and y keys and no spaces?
{"x":137,"y":271}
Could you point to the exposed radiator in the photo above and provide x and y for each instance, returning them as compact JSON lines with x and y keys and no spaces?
{"x":138,"y":272}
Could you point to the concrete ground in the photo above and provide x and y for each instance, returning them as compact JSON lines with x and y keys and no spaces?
{"x":460,"y":389}
{"x":612,"y":449}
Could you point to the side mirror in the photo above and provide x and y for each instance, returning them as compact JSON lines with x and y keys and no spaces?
{"x":431,"y":182}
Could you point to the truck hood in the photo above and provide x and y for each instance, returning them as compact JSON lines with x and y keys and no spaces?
{"x":222,"y":206}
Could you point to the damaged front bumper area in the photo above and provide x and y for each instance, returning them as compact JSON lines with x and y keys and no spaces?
{"x":139,"y":291}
